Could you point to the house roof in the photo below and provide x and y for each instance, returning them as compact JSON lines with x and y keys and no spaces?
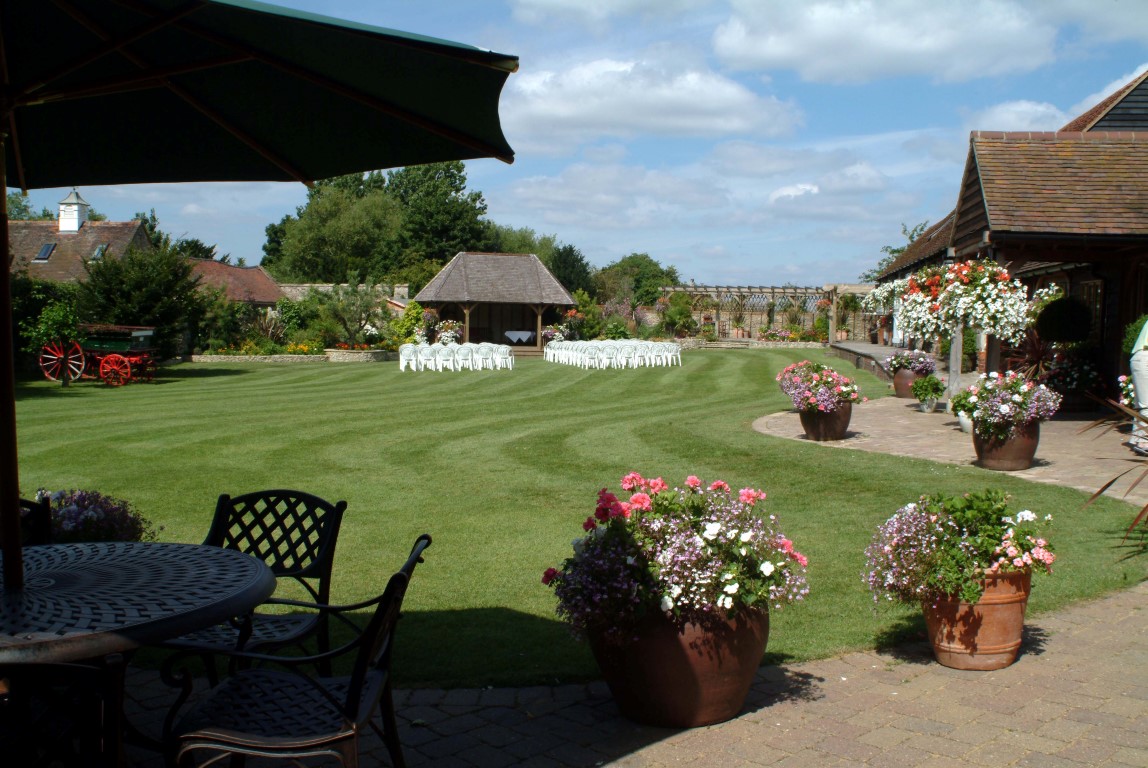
{"x":495,"y":278}
{"x":1064,"y":183}
{"x":251,"y":285}
{"x":930,"y":244}
{"x":70,"y":251}
{"x":1089,"y":119}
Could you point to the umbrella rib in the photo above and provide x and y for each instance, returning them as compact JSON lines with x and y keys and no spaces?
{"x":13,"y":134}
{"x":151,"y":78}
{"x":156,"y":75}
{"x":355,"y":94}
{"x":111,"y":43}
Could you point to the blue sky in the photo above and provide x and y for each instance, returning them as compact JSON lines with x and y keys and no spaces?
{"x":745,"y":142}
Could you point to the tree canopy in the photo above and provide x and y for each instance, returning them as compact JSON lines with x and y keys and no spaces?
{"x":636,"y":278}
{"x":893,"y":251}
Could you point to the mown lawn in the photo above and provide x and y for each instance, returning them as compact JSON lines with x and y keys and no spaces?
{"x":501,"y":467}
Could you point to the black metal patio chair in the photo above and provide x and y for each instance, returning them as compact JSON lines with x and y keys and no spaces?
{"x":271,"y":708}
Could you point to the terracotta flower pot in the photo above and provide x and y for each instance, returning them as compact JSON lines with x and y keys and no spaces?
{"x":983,"y":635}
{"x":695,"y":677}
{"x":1012,"y":454}
{"x":827,"y":425}
{"x":903,"y":383}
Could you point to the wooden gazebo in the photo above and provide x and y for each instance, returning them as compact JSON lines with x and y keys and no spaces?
{"x":498,"y":297}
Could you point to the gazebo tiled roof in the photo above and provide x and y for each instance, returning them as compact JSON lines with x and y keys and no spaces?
{"x":495,"y":278}
{"x":251,"y":285}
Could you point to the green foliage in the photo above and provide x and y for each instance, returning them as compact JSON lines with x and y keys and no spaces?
{"x":592,"y":322}
{"x":962,"y":402}
{"x":440,"y":218}
{"x":1066,"y":319}
{"x":636,"y":277}
{"x":848,"y":304}
{"x":146,"y":287}
{"x":503,"y":239}
{"x":340,"y":237}
{"x":570,"y":268}
{"x":403,"y":328}
{"x":223,"y":321}
{"x":157,"y":237}
{"x":29,"y":298}
{"x":1131,"y":331}
{"x":679,"y":317}
{"x":355,"y":310}
{"x":615,"y":329}
{"x":58,"y":323}
{"x":19,"y":209}
{"x":928,"y":388}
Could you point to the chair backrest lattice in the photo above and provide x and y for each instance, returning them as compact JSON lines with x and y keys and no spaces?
{"x":292,"y":531}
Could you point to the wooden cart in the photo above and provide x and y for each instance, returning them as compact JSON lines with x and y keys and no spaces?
{"x":116,"y":354}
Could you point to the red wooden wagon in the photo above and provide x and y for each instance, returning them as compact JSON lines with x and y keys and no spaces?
{"x":115,"y":354}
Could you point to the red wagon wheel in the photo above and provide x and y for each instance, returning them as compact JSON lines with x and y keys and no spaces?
{"x":62,"y":359}
{"x":115,"y":370}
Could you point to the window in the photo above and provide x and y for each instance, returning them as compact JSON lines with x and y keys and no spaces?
{"x":45,"y":252}
{"x":99,"y":252}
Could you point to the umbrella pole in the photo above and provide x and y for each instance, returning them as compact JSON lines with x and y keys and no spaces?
{"x":9,"y":465}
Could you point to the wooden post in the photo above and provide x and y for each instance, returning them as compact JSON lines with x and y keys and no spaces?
{"x":956,"y":355}
{"x":9,"y":463}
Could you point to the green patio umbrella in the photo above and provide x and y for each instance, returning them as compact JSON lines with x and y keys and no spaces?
{"x":99,"y":92}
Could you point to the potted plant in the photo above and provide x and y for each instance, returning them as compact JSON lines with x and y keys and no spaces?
{"x":1008,"y":409}
{"x":82,"y":515}
{"x":962,"y":406}
{"x":968,"y":561}
{"x":672,"y":588}
{"x":906,"y":368}
{"x":928,"y":390}
{"x":823,"y":398}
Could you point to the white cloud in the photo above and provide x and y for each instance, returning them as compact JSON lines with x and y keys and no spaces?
{"x":860,"y":177}
{"x":1090,"y":101}
{"x":555,"y":111}
{"x":759,"y":161}
{"x":792,"y":191}
{"x":1019,"y":115}
{"x":844,"y":41}
{"x":596,"y":13}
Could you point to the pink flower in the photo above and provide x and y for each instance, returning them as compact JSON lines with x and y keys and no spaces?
{"x":800,"y":558}
{"x":693,"y":482}
{"x":632,"y":481}
{"x":1018,"y":562}
{"x":589,"y":525}
{"x":750,"y":495}
{"x":641,"y":501}
{"x":549,"y":575}
{"x":719,"y":485}
{"x":657,"y":485}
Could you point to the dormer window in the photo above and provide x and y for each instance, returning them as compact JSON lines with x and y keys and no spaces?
{"x":99,"y":252}
{"x":45,"y":252}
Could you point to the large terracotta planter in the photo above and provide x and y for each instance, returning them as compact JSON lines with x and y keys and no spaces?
{"x":695,"y":677}
{"x":826,"y":425}
{"x":903,"y":382}
{"x":1012,"y":454}
{"x":983,"y":635}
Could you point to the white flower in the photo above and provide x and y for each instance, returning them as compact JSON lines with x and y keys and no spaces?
{"x":1005,"y":408}
{"x":711,"y":531}
{"x":675,"y":590}
{"x":730,"y":589}
{"x":767,"y":568}
{"x":746,"y":536}
{"x":1025,"y":516}
{"x":725,"y":601}
{"x":667,"y":603}
{"x":1048,"y":517}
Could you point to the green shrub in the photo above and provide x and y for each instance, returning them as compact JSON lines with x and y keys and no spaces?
{"x":1131,"y":332}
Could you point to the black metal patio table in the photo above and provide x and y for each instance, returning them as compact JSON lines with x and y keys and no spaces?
{"x":82,"y":601}
{"x":94,"y":601}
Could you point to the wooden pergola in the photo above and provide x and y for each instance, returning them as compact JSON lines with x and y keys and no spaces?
{"x":764,"y":301}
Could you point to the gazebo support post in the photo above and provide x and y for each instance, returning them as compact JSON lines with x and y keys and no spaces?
{"x":956,"y":355}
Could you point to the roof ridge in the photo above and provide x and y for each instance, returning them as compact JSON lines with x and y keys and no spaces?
{"x":1061,"y":135}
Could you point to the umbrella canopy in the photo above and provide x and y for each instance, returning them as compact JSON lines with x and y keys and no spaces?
{"x":97,"y":92}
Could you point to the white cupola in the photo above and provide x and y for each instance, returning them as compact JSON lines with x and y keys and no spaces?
{"x":73,"y":212}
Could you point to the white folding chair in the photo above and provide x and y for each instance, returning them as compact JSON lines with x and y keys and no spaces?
{"x":503,"y":357}
{"x":445,"y":357}
{"x":427,"y":359}
{"x":464,"y":357}
{"x":408,"y":357}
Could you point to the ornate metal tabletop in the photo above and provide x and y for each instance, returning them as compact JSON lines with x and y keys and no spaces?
{"x":85,"y":600}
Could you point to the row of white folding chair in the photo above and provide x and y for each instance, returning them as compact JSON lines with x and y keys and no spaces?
{"x":609,"y":353}
{"x":455,"y":357}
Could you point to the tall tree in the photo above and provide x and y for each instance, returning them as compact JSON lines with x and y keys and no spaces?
{"x":637,"y":278}
{"x":441,"y":217}
{"x":504,"y":239}
{"x":570,"y":268}
{"x":892,"y":252}
{"x":340,"y":237}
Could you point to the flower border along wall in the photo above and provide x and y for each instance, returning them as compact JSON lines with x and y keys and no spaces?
{"x":672,"y":589}
{"x":968,"y":561}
